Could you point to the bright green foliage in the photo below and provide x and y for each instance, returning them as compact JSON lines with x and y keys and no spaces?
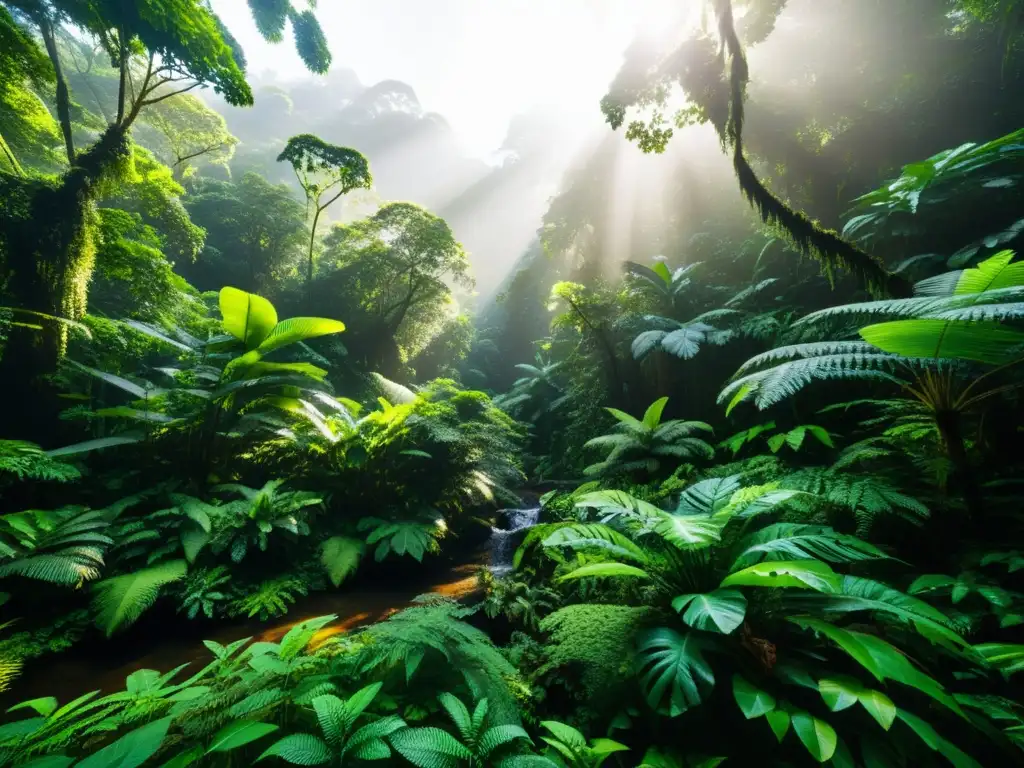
{"x":63,"y":547}
{"x":120,"y":600}
{"x":340,"y":557}
{"x":648,"y":442}
{"x":570,"y":745}
{"x":477,"y":744}
{"x":337,"y":719}
{"x":26,"y":460}
{"x":241,"y":526}
{"x":273,"y":597}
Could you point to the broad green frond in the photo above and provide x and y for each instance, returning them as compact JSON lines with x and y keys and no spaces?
{"x":596,"y":536}
{"x":121,"y":600}
{"x":675,"y":676}
{"x":791,"y":541}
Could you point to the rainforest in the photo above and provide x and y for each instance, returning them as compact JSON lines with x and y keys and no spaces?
{"x":512,"y":383}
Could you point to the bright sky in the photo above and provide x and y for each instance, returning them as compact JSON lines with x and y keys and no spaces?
{"x":477,"y":62}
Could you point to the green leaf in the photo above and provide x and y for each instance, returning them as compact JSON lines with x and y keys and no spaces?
{"x":882,"y":660}
{"x":43,"y":706}
{"x":1006,"y":657}
{"x":821,"y":434}
{"x":993,"y":273}
{"x":840,"y":692}
{"x":708,"y":496}
{"x":185,"y":759}
{"x":652,"y":416}
{"x":934,"y":741}
{"x":801,"y":574}
{"x":779,"y":720}
{"x":298,"y":329}
{"x":879,"y":706}
{"x":793,"y":541}
{"x":719,"y":611}
{"x":340,"y":556}
{"x":119,"y":601}
{"x":299,"y":749}
{"x":499,"y":736}
{"x":247,"y":317}
{"x":239,"y":734}
{"x":95,"y":445}
{"x":132,"y":749}
{"x":775,"y":442}
{"x":859,"y":594}
{"x":675,"y":675}
{"x":983,"y":342}
{"x":689,"y":532}
{"x":817,"y":736}
{"x":741,"y":394}
{"x":430,"y":748}
{"x":595,"y":570}
{"x":752,"y":701}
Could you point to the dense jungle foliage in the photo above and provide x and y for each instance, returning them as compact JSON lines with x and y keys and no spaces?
{"x":766,"y":395}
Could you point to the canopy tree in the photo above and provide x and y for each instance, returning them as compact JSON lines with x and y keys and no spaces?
{"x":160,"y":50}
{"x":392,"y":274}
{"x":325,"y":172}
{"x":255,"y":233}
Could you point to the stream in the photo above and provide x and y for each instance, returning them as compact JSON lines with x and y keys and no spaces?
{"x":505,"y":540}
{"x":104,"y":665}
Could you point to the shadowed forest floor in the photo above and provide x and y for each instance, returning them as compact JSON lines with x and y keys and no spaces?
{"x":104,"y":667}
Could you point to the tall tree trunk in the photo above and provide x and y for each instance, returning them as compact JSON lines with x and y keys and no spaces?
{"x":312,"y":243}
{"x":8,"y":153}
{"x":962,"y":480}
{"x":51,"y":260}
{"x":63,"y":95}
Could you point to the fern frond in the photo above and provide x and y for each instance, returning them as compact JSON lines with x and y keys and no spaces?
{"x":121,"y":600}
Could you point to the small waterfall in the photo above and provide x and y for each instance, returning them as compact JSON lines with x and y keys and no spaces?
{"x":505,"y":541}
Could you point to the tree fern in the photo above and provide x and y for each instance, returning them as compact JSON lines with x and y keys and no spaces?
{"x":119,"y":601}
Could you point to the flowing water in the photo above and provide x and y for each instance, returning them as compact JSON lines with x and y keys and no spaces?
{"x":104,"y":667}
{"x":505,"y":540}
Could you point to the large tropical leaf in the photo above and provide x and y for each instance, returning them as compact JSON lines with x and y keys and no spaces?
{"x":719,"y":611}
{"x":708,"y":496}
{"x":674,"y":674}
{"x":801,"y":574}
{"x":298,"y":329}
{"x":652,"y":416}
{"x":430,"y":748}
{"x":247,"y":317}
{"x":854,"y":593}
{"x":601,"y":570}
{"x":993,"y":274}
{"x":595,"y":536}
{"x":121,"y":600}
{"x":689,"y":532}
{"x":880,"y":659}
{"x":983,"y":342}
{"x":792,"y":541}
{"x":299,"y":749}
{"x":132,"y":749}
